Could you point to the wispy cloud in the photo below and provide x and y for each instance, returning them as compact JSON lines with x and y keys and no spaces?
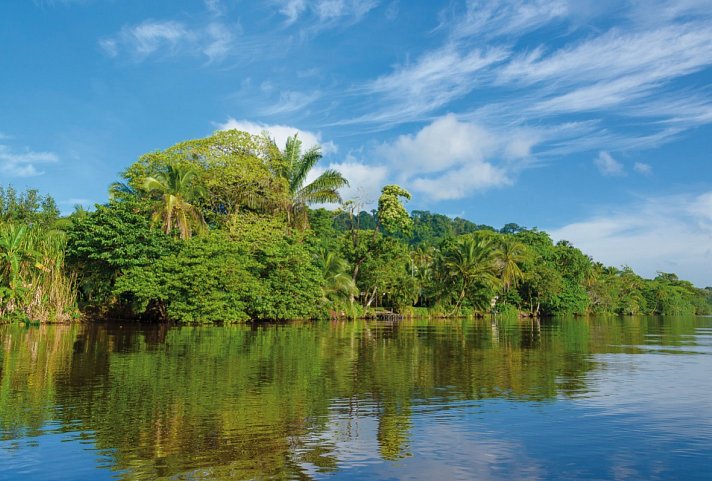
{"x":147,"y":38}
{"x":488,"y":18}
{"x":325,"y":11}
{"x":292,"y":101}
{"x":668,"y":233}
{"x":488,"y":71}
{"x":416,"y":89}
{"x":612,"y":69}
{"x":166,"y":38}
{"x":215,"y":7}
{"x":292,"y":9}
{"x":23,"y":163}
{"x":642,"y":168}
{"x":607,"y":165}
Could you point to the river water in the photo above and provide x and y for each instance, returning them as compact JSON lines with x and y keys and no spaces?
{"x":569,"y":399}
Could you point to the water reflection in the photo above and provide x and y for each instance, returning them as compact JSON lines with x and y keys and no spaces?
{"x":362,"y":400}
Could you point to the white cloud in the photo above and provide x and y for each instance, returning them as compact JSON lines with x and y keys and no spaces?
{"x":153,"y":38}
{"x":633,"y":70}
{"x":451,"y":159}
{"x":280,"y":133}
{"x":701,"y":207}
{"x":497,"y":17}
{"x":214,"y":6}
{"x":292,"y":101}
{"x":219,"y":41}
{"x":292,"y":9}
{"x":77,"y":201}
{"x":326,"y":11}
{"x":462,"y":182}
{"x":434,"y":80}
{"x":23,"y":164}
{"x":662,"y":53}
{"x":615,"y":69}
{"x":643,"y":168}
{"x":670,"y":234}
{"x":365,"y":181}
{"x":608,"y":165}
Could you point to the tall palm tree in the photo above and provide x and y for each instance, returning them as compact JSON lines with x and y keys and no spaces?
{"x":174,"y":191}
{"x":509,"y":255}
{"x":294,"y":166}
{"x":469,"y":262}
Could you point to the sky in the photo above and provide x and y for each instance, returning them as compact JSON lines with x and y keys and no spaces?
{"x":590,"y":119}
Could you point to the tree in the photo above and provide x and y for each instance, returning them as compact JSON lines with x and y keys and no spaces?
{"x":510,"y":254}
{"x":294,"y":166}
{"x":469,"y":265}
{"x":392,"y":215}
{"x":28,"y":207}
{"x":102,"y":245}
{"x":174,"y":189}
{"x":338,"y":283}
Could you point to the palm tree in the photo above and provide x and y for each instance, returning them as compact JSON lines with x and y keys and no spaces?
{"x":469,"y":262}
{"x":174,"y":191}
{"x":509,"y":255}
{"x":121,"y":191}
{"x":294,"y":166}
{"x":337,"y":277}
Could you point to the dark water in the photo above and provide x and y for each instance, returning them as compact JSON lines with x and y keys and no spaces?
{"x":572,"y":399}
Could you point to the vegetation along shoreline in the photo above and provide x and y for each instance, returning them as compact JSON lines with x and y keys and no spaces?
{"x":226,"y":229}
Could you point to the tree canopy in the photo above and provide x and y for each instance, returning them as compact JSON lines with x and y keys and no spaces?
{"x":264,"y":252}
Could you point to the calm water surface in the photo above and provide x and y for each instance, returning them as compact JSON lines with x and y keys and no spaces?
{"x":576,"y":399}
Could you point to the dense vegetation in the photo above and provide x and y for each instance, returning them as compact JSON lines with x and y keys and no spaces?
{"x":220,"y":229}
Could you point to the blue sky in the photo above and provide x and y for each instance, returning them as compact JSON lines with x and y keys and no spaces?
{"x":591,"y":119}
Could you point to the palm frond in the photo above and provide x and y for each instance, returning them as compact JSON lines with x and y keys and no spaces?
{"x":323,"y":189}
{"x":302,"y":166}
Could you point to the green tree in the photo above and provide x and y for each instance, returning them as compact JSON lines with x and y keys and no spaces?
{"x":28,"y":207}
{"x":102,"y":245}
{"x":470,"y":268}
{"x":338,"y":283}
{"x":174,"y":190}
{"x":294,"y":166}
{"x":509,"y":256}
{"x":392,"y":215}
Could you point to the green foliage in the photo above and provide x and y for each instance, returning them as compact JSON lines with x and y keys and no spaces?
{"x":235,"y":168}
{"x":338,"y":285}
{"x":209,"y":279}
{"x":28,"y":208}
{"x":293,"y":166}
{"x":254,"y":264}
{"x":173,"y":189}
{"x":469,"y":270}
{"x":33,"y":283}
{"x":105,"y":243}
{"x":253,"y":270}
{"x":432,"y":229}
{"x":392,"y":215}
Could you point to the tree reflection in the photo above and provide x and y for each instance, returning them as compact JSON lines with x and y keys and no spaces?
{"x":245,"y":402}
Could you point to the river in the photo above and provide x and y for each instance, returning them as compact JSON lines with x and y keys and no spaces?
{"x":564,"y":399}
